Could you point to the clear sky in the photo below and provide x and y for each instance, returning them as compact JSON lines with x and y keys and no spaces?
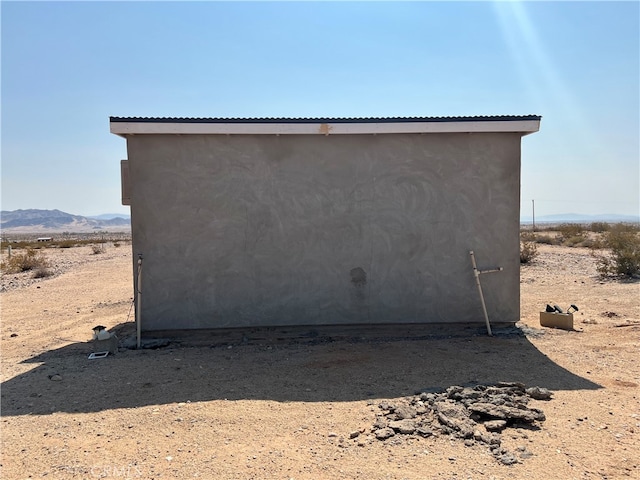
{"x":66,"y":67}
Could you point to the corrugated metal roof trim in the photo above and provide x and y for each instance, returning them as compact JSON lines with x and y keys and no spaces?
{"x":491,"y":118}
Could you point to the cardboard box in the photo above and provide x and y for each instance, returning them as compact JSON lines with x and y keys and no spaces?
{"x":557,"y":320}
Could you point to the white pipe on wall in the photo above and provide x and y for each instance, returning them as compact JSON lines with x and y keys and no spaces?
{"x":139,"y":303}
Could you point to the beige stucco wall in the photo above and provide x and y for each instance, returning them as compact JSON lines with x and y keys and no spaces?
{"x":245,"y":230}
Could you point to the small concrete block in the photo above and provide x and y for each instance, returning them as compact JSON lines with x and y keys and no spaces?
{"x":557,"y":320}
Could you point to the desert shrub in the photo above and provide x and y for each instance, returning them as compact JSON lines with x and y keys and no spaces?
{"x":597,"y":243}
{"x":575,"y":241}
{"x":96,"y":249}
{"x":599,"y":227}
{"x":116,"y":244}
{"x":548,"y":240}
{"x":42,"y":272}
{"x":528,"y":247}
{"x":66,"y":243}
{"x":23,"y":262}
{"x":626,"y":227}
{"x":589,"y":242}
{"x":570,"y":231}
{"x":623,"y":257}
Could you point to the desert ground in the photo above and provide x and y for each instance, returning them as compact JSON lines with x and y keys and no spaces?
{"x":260,"y":405}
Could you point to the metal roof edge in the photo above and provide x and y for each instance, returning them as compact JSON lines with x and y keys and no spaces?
{"x":316,"y":120}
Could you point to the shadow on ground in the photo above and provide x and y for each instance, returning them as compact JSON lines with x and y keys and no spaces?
{"x":338,"y":364}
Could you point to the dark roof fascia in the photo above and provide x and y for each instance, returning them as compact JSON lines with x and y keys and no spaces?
{"x":493,"y":118}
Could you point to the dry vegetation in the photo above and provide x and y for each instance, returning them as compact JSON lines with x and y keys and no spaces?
{"x":25,"y":260}
{"x":266,"y":404}
{"x":616,"y":248}
{"x":62,"y":240}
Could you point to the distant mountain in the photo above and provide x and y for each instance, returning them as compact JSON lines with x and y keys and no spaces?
{"x":580,"y":218}
{"x":51,"y":221}
{"x":109,"y":216}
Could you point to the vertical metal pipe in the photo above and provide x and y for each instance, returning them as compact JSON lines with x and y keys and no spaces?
{"x":9,"y":251}
{"x":139,"y":303}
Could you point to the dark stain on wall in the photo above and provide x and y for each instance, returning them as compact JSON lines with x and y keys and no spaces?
{"x":358,"y":277}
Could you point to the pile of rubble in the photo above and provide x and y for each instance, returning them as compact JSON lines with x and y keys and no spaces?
{"x":476,"y":415}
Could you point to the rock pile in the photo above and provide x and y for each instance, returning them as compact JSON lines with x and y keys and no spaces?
{"x":474,"y":414}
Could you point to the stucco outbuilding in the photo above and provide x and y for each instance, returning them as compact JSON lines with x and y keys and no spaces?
{"x":323,"y":221}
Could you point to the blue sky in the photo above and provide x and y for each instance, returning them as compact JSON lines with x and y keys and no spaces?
{"x":66,"y":67}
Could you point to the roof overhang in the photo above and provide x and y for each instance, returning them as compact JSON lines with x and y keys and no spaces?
{"x":330,"y":126}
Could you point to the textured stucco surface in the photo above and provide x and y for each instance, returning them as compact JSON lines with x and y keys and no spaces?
{"x":264,"y":230}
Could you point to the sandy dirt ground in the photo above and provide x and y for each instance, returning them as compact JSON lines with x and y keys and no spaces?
{"x":243,"y":407}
